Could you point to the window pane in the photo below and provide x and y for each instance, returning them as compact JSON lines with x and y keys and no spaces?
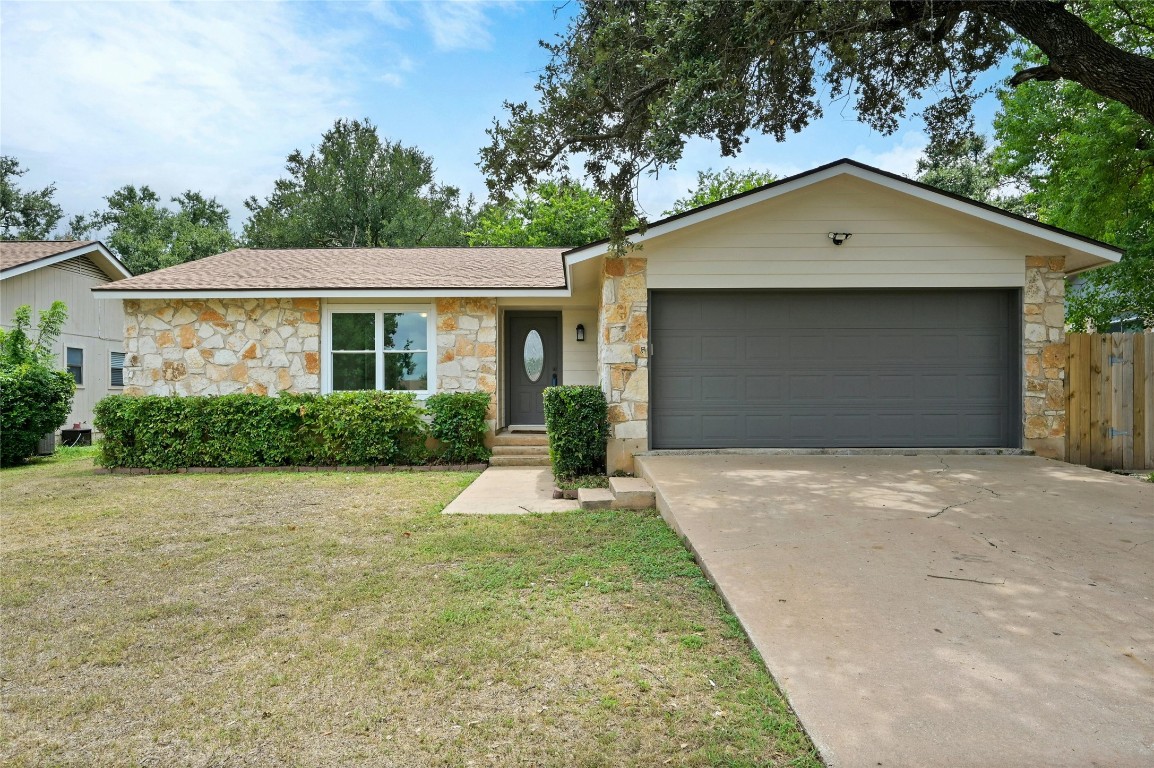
{"x":407,"y":370}
{"x":534,"y":355}
{"x":353,"y":330}
{"x":353,"y":371}
{"x":406,"y":330}
{"x":75,"y":363}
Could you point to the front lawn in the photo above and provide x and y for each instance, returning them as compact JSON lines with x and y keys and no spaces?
{"x":338,"y":619}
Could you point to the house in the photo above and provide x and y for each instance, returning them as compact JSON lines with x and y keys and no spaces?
{"x":842,"y":307}
{"x":91,"y":346}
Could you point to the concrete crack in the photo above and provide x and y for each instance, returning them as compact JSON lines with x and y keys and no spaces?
{"x":980,"y":488}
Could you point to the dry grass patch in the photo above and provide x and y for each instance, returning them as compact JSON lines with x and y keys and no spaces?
{"x":338,"y":619}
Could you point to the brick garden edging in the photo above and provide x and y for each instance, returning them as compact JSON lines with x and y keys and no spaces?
{"x":478,"y":467}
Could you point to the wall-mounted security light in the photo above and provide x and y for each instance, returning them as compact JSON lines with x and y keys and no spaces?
{"x":580,"y":332}
{"x":840,"y":237}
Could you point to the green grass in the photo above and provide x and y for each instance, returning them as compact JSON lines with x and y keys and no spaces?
{"x":339,"y":619}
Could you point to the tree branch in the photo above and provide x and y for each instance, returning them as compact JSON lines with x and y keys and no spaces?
{"x":1042,"y":73}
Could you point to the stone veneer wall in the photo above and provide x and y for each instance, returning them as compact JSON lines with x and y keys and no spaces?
{"x":623,"y":357}
{"x":1044,"y":356}
{"x":221,"y":346}
{"x":467,"y":349}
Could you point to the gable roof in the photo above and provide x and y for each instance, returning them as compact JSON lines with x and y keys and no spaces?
{"x":20,"y":256}
{"x":328,"y":272}
{"x":1094,"y":252}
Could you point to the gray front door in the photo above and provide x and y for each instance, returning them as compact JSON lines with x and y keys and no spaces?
{"x":824,"y":369}
{"x":533,"y":362}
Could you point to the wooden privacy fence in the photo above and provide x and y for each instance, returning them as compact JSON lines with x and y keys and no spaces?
{"x":1110,"y":400}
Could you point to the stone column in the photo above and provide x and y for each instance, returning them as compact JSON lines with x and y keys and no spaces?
{"x":623,"y":357}
{"x":1044,"y":356}
{"x":467,"y":349}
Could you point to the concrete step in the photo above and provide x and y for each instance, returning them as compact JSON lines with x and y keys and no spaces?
{"x":519,"y":438}
{"x":519,"y":461}
{"x":595,"y":498}
{"x":520,"y":450}
{"x":631,"y":493}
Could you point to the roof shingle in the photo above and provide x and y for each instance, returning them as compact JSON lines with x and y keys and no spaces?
{"x":15,"y":253}
{"x":294,"y":269}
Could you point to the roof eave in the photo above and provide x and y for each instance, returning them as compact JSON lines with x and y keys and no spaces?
{"x":330,"y":293}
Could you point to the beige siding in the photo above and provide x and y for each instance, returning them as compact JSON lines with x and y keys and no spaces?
{"x":898,"y":241}
{"x":95,"y":326}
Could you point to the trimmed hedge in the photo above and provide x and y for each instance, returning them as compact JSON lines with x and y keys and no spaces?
{"x":577,"y":420}
{"x":459,"y":423}
{"x":34,"y":400}
{"x":341,"y":429}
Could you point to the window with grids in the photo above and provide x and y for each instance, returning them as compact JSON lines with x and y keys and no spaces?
{"x":380,"y":349}
{"x":116,"y":369}
{"x":74,"y":362}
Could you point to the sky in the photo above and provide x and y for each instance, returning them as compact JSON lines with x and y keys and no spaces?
{"x":212,"y":96}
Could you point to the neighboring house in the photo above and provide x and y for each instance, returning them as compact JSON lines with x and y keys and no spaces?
{"x":843,"y":307}
{"x":91,"y":347}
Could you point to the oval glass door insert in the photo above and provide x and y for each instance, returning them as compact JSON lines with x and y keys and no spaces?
{"x":534,"y":355}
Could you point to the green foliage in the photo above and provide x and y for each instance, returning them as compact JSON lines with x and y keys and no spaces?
{"x":17,"y":346}
{"x":148,"y":236}
{"x":35,"y":399}
{"x":717,"y":185}
{"x":630,"y":83}
{"x":341,"y":429}
{"x":459,"y":423}
{"x":968,"y":169}
{"x":553,"y":214}
{"x":577,"y":420}
{"x":1087,"y":164}
{"x":28,"y":215}
{"x":356,"y":189}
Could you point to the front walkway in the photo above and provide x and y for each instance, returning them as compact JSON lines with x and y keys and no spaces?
{"x":510,"y":491}
{"x":936,"y":610}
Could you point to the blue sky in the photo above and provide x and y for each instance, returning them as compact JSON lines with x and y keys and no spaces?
{"x":213,"y":96}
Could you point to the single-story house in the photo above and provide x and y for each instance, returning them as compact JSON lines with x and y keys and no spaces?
{"x":91,"y":346}
{"x":842,"y":307}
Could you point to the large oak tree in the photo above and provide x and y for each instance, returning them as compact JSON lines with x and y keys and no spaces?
{"x":632,"y":80}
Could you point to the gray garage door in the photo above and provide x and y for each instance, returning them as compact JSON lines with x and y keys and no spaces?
{"x":753,"y":369}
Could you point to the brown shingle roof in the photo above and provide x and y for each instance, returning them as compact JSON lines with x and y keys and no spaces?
{"x":15,"y":253}
{"x":294,"y":269}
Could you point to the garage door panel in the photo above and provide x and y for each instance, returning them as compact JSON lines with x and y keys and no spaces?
{"x":834,"y":369}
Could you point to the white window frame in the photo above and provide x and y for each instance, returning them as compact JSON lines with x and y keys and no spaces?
{"x":123,"y":359}
{"x":378,"y":342}
{"x":83,"y":362}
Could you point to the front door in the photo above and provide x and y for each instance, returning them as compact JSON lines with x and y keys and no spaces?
{"x":533,"y":362}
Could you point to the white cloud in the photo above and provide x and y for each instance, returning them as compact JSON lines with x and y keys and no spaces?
{"x":900,"y":157}
{"x":207,"y":96}
{"x":458,"y":24}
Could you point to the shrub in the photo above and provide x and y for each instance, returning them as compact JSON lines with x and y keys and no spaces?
{"x":459,"y":423}
{"x":344,"y":428}
{"x":578,"y":425}
{"x":35,"y":398}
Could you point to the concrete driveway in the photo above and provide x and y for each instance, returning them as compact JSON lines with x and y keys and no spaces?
{"x":936,"y":610}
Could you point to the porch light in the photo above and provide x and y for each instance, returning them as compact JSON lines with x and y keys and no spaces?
{"x":580,"y":332}
{"x":840,"y":237}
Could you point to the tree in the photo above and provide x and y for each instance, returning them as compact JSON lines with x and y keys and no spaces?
{"x":631,"y":82}
{"x":35,"y":398}
{"x":148,"y":236}
{"x":28,"y":215}
{"x":717,"y":185}
{"x":355,"y":189}
{"x":968,"y":169}
{"x":553,"y":214}
{"x":1087,"y":165}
